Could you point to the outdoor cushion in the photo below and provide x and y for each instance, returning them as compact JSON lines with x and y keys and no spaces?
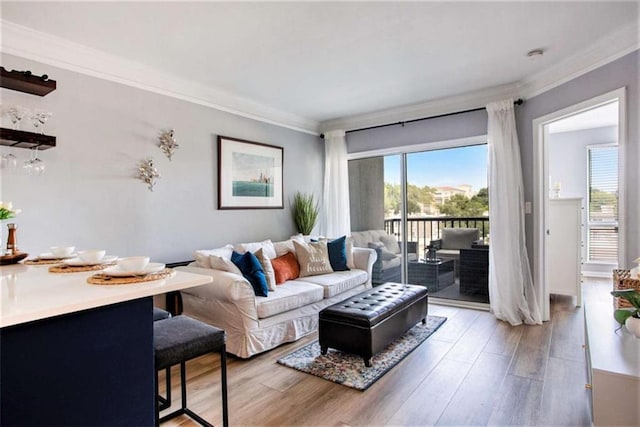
{"x":459,"y":238}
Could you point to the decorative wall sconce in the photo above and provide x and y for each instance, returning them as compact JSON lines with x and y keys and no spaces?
{"x":168,"y":143}
{"x":147,"y":173}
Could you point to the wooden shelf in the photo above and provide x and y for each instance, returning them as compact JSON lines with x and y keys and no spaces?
{"x":23,"y":139}
{"x":28,"y":83}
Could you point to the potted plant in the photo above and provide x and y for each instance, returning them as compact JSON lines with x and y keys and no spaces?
{"x":305,"y":212}
{"x":629,"y":317}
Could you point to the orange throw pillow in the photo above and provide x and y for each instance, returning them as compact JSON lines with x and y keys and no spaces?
{"x":285,"y":268}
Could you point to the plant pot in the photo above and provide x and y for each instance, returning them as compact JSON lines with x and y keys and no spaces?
{"x":633,"y":325}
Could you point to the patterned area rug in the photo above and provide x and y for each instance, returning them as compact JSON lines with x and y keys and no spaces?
{"x":348,"y":369}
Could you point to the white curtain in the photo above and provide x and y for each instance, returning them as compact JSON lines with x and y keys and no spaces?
{"x":511,"y":291}
{"x":336,"y":220}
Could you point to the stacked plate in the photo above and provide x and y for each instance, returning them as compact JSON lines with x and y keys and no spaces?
{"x":79,"y":262}
{"x":118,"y":271}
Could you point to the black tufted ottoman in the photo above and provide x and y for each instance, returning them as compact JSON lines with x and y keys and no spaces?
{"x":365,"y":323}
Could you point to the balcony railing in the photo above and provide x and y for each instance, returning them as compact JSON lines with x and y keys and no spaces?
{"x":425,"y":229}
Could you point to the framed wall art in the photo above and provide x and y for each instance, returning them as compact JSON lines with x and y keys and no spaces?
{"x":249,"y":174}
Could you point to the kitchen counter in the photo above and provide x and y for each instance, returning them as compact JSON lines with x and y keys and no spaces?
{"x":74,"y":353}
{"x":32,"y":293}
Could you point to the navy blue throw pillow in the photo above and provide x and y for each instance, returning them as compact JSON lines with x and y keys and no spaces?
{"x":252,"y":271}
{"x":338,"y":254}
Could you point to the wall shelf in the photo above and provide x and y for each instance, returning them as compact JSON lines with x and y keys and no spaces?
{"x":26,"y":82}
{"x":23,"y":139}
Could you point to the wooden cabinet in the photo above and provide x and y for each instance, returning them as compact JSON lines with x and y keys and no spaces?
{"x":565,"y":247}
{"x":613,"y":365}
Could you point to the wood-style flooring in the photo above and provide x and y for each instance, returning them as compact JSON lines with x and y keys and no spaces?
{"x":475,"y":370}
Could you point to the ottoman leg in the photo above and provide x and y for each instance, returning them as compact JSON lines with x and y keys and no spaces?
{"x":424,"y":321}
{"x":323,"y":349}
{"x":367,"y":362}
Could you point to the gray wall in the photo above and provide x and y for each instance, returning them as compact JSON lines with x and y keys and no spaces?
{"x":623,"y":72}
{"x":366,"y":193}
{"x":434,"y":130}
{"x":89,"y":196}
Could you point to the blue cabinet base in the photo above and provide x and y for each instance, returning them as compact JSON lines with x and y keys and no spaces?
{"x":93,"y":367}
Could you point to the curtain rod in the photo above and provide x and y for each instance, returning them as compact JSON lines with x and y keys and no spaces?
{"x":518,"y":101}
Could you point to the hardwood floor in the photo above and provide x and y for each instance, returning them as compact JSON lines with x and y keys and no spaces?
{"x":475,"y":370}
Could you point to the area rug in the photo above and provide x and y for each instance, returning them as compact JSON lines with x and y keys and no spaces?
{"x":348,"y":369}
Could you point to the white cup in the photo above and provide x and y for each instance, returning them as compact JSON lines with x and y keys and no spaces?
{"x":62,"y":251}
{"x":133,"y":263}
{"x":92,"y":255}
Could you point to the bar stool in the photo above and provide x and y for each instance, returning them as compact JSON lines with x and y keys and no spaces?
{"x":179,"y":339}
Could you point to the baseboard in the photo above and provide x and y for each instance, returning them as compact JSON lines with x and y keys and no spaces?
{"x":459,"y":303}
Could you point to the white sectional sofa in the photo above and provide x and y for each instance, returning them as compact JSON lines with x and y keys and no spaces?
{"x":255,"y":324}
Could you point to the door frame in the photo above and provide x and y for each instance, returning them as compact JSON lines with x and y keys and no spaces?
{"x":541,"y":185}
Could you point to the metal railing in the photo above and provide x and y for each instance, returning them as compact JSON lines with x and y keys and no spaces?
{"x":425,"y":229}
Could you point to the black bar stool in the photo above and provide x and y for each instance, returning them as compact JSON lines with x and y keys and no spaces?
{"x":179,"y":339}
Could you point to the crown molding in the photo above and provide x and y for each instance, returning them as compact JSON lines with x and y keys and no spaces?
{"x":38,"y":46}
{"x":622,"y":42}
{"x":452,"y":104}
{"x":614,"y":46}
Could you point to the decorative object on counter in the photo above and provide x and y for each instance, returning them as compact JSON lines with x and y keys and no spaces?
{"x":104,"y":279}
{"x":305,"y":212}
{"x":7,"y":211}
{"x":622,"y":280}
{"x":65,"y":268}
{"x":13,"y":259}
{"x":148,"y":174}
{"x":168,"y":143}
{"x":62,"y":251}
{"x":629,"y":317}
{"x":133,"y":263}
{"x":12,"y":242}
{"x":92,"y":256}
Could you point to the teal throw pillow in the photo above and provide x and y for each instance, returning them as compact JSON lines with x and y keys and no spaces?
{"x":252,"y":270}
{"x":337,"y":249}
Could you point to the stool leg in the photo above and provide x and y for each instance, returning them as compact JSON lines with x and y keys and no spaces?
{"x":223,"y":374}
{"x":183,"y":384}
{"x":157,"y":402}
{"x":168,"y":385}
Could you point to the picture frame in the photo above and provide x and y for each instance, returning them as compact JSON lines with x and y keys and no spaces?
{"x":250,"y":174}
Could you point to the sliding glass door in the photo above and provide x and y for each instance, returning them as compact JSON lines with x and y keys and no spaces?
{"x":439,"y":199}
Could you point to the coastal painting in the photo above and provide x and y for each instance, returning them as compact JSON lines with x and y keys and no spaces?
{"x":249,"y":174}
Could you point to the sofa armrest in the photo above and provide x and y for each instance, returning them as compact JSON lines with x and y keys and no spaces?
{"x":225,"y":286}
{"x":363,"y":259}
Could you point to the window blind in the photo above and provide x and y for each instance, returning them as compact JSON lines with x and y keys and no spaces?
{"x":603,"y":204}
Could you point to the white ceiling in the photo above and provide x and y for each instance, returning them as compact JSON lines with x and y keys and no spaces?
{"x":321,"y":61}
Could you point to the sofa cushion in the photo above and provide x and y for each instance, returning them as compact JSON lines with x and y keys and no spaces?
{"x":338,"y":282}
{"x":269,"y":273}
{"x":285,"y":267}
{"x":252,"y":271}
{"x":337,"y":249}
{"x":283,"y":247}
{"x":313,"y":258}
{"x":266,"y":245}
{"x":459,"y":238}
{"x":395,"y":262}
{"x":224,"y":264}
{"x":390,"y":243}
{"x":290,"y":295}
{"x":202,"y":256}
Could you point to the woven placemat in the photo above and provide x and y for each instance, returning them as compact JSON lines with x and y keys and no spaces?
{"x":103,"y":279}
{"x":38,"y":261}
{"x":64,"y":268}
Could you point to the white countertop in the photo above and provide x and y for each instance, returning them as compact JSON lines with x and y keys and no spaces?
{"x":613,"y":349}
{"x":32,"y":293}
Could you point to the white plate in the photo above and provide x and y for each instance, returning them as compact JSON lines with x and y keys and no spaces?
{"x":78,"y":262}
{"x":116,"y":271}
{"x":49,"y":255}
